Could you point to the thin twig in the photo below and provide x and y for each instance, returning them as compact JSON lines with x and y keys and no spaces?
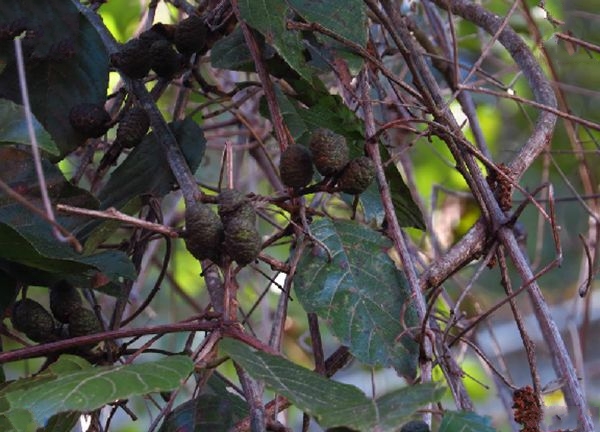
{"x":113,"y":214}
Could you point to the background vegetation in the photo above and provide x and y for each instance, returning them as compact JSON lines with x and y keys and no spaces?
{"x":458,"y":289}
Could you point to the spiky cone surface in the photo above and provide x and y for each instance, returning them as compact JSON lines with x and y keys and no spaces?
{"x":133,"y":127}
{"x":357,"y":176}
{"x":203,"y":232}
{"x":296,"y":167}
{"x":242,"y":241}
{"x":64,"y":299}
{"x":133,"y":59}
{"x":164,"y":60}
{"x":83,"y":322}
{"x":330,"y":153}
{"x":234,"y":205}
{"x":190,"y":35}
{"x":89,"y":119}
{"x":32,"y":319}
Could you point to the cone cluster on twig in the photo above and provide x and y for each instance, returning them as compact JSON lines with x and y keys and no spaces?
{"x":233,"y":232}
{"x":330,"y":155}
{"x":67,"y":317}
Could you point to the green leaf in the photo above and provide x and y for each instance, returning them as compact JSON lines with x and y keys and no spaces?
{"x":407,"y":211}
{"x":361,"y":294}
{"x":17,"y":421}
{"x":331,"y":403}
{"x":74,"y":386}
{"x":63,"y":422}
{"x":66,"y":64}
{"x":28,"y":240}
{"x":465,"y":421}
{"x":146,"y":170}
{"x":311,"y":392}
{"x":347,"y":18}
{"x":269,"y":18}
{"x":231,"y":52}
{"x":215,"y":409}
{"x":13,"y":128}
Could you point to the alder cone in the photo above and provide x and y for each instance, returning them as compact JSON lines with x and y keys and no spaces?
{"x":357,"y":176}
{"x":164,"y":60}
{"x":203,"y":232}
{"x":64,"y":299}
{"x":134,"y":58}
{"x":133,"y":127}
{"x":234,"y":205}
{"x":83,"y":322}
{"x":190,"y":35}
{"x":330,"y":153}
{"x":295,"y":166}
{"x":32,"y":319}
{"x":242,"y":241}
{"x":89,"y":119}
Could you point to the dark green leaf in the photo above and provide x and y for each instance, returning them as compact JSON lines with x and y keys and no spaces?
{"x":311,"y":392}
{"x":269,"y":18}
{"x":347,"y":18}
{"x":407,"y":211}
{"x":465,"y":421}
{"x":331,"y":403}
{"x":361,"y":294}
{"x":27,"y":239}
{"x":63,"y":422}
{"x":232,"y":53}
{"x":215,"y":409}
{"x":13,"y":128}
{"x":146,"y":170}
{"x":8,"y":294}
{"x":75,"y":386}
{"x":399,"y":406}
{"x":66,"y":64}
{"x":17,"y":421}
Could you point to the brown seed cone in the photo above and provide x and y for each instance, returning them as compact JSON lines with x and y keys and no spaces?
{"x":242,"y":241}
{"x":83,"y":322}
{"x":295,"y":166}
{"x":134,"y":58}
{"x":31,"y":318}
{"x":357,"y":176}
{"x":64,"y":299}
{"x":89,"y":119}
{"x":330,"y":152}
{"x":203,"y":232}
{"x":234,"y":205}
{"x":165,"y":61}
{"x":133,"y":127}
{"x":190,"y":35}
